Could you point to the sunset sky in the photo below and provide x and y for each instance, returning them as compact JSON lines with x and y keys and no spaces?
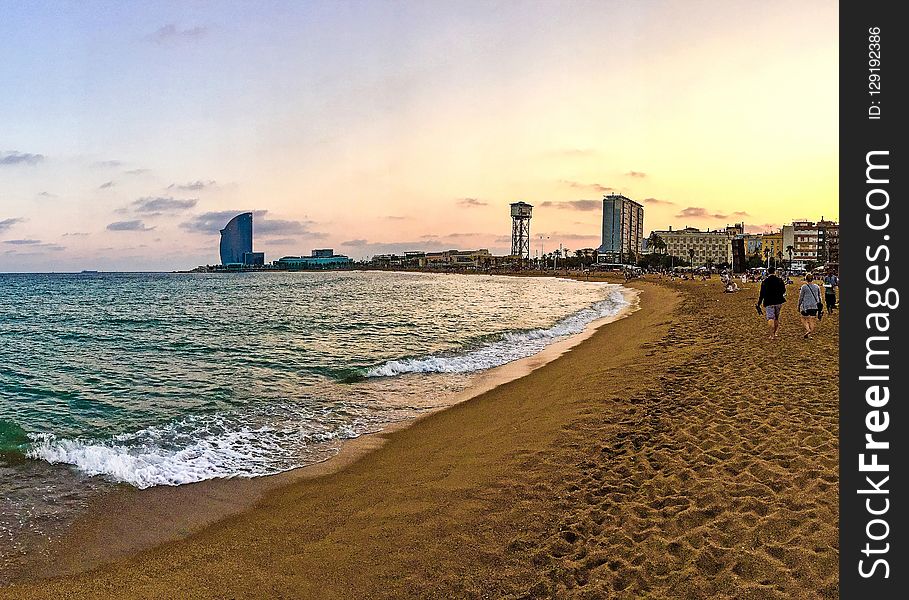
{"x":131,"y":132}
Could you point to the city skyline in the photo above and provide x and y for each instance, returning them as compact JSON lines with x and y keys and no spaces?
{"x":131,"y":135}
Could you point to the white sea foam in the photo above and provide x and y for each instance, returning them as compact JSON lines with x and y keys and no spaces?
{"x":510,"y":347}
{"x":187,"y":451}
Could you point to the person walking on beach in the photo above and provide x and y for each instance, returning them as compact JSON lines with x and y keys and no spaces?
{"x":773,"y":295}
{"x":831,"y":282}
{"x":810,"y":306}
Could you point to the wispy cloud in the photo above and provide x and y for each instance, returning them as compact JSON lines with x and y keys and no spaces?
{"x":471,"y":202}
{"x":46,"y":194}
{"x":702,"y":213}
{"x":354,"y":243}
{"x":596,"y":187}
{"x":658,"y":202}
{"x":107,"y":164}
{"x":135,"y":225}
{"x":171,"y":32}
{"x":637,"y":174}
{"x":34,"y":245}
{"x":192,"y":186}
{"x":213,"y":222}
{"x":6,"y":224}
{"x":106,"y":185}
{"x":159,"y":204}
{"x":585,"y":205}
{"x":14,"y":157}
{"x":396,"y":218}
{"x":76,"y":234}
{"x":137,"y":171}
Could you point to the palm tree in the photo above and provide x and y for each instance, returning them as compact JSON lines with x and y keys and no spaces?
{"x":790,"y":250}
{"x":657,"y":243}
{"x":691,"y":256}
{"x":779,"y":257}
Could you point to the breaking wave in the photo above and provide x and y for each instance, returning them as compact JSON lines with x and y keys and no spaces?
{"x":509,"y":347}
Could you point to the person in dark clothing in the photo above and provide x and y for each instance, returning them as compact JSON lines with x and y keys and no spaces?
{"x":773,"y":295}
{"x":831,"y":282}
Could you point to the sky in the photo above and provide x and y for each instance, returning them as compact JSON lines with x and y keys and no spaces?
{"x":130,"y":133}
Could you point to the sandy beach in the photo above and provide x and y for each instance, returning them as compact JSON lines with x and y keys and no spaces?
{"x":675,"y":453}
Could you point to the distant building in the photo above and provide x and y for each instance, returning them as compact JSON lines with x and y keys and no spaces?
{"x":457,"y":259}
{"x":237,"y":239}
{"x":318,"y":260}
{"x":701,"y":247}
{"x":254,"y":259}
{"x":817,"y":243}
{"x":623,"y":229}
{"x":828,"y":241}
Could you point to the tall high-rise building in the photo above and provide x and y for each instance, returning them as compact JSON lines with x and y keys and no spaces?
{"x":623,"y":229}
{"x":236,"y":240}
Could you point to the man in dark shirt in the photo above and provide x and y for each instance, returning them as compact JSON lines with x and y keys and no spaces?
{"x":773,"y":294}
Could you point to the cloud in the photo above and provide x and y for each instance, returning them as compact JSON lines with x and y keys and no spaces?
{"x":586,"y":186}
{"x":193,"y":186}
{"x":455,"y":236}
{"x":32,"y":245}
{"x":6,"y":224}
{"x":75,"y":234}
{"x":471,"y":202}
{"x":213,"y":222}
{"x":638,"y":174}
{"x":135,"y":225}
{"x":658,"y":202}
{"x":702,"y":213}
{"x":283,"y":241}
{"x":46,"y":194}
{"x":14,"y":157}
{"x":137,"y":171}
{"x":354,"y":243}
{"x":171,"y":32}
{"x":160,"y":204}
{"x":105,"y":185}
{"x":396,"y":218}
{"x":107,"y":164}
{"x":269,"y":227}
{"x":585,"y":205}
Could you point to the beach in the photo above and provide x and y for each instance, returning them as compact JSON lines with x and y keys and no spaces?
{"x":675,"y":452}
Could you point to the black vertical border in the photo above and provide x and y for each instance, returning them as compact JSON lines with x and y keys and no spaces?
{"x":860,"y":135}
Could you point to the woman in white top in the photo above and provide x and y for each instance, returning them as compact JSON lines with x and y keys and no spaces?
{"x":810,"y":306}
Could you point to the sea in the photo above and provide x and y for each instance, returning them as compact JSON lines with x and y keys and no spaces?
{"x":164,"y":379}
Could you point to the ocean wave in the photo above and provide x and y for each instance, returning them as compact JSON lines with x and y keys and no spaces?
{"x":187,"y":451}
{"x":509,"y":347}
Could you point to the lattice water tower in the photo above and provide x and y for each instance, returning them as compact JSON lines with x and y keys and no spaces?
{"x":520,"y":229}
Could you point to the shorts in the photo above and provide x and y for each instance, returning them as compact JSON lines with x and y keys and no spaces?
{"x":811,"y":312}
{"x":773,"y":312}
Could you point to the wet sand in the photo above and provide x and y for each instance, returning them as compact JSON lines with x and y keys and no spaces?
{"x":673,"y":453}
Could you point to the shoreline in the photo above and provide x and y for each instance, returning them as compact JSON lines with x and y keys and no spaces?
{"x":125,"y":521}
{"x":673,"y":453}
